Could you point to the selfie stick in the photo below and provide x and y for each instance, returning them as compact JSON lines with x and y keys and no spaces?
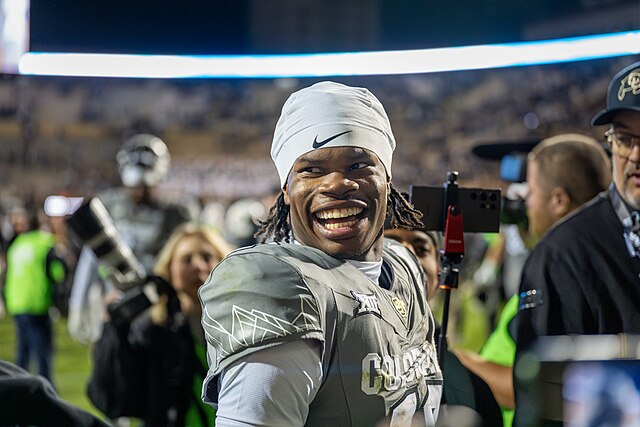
{"x":451,"y":254}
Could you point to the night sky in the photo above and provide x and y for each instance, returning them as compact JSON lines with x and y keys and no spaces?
{"x":222,"y":27}
{"x":139,"y":26}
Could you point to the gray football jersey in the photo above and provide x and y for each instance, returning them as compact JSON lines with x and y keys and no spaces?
{"x":378,"y":354}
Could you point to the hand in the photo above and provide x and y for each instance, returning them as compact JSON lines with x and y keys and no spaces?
{"x":109,"y":298}
{"x":159,"y":312}
{"x":187,"y":305}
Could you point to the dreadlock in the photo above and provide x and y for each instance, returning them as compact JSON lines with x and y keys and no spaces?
{"x":277,"y":223}
{"x":401,"y":212}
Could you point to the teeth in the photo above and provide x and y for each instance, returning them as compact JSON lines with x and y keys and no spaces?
{"x":335,"y":226}
{"x":338,"y":213}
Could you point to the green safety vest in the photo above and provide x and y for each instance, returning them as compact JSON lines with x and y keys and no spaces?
{"x":28,"y":287}
{"x":500,"y":348}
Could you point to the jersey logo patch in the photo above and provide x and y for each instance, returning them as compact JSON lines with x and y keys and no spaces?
{"x":368,"y":304}
{"x":400,"y":306}
{"x":530,"y":299}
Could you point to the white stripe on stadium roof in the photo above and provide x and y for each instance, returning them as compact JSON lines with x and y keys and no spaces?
{"x":333,"y":64}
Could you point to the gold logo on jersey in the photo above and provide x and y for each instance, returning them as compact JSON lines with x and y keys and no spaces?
{"x":400,"y":306}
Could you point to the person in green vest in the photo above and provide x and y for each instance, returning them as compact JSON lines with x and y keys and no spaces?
{"x":153,"y":367}
{"x":33,"y":270}
{"x":563,"y":172}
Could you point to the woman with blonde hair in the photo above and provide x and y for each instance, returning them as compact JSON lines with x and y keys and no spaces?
{"x":186,"y":260}
{"x":152,"y":367}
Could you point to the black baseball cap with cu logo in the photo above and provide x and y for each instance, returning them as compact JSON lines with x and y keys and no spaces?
{"x":623,"y":94}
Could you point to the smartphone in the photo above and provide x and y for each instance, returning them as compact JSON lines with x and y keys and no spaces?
{"x":481,"y":208}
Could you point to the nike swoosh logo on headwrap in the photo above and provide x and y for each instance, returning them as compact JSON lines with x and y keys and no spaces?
{"x":318,"y":144}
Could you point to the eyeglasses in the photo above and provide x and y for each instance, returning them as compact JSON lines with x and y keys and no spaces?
{"x":624,"y":142}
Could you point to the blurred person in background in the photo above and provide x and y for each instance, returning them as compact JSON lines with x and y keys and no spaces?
{"x":241,"y":221}
{"x":497,"y":278}
{"x":582,"y":277}
{"x":153,"y":367}
{"x":563,"y":172}
{"x":33,"y":270}
{"x":142,"y":218}
{"x":68,"y":253}
{"x":18,"y":222}
{"x":31,"y":400}
{"x":425,"y":246}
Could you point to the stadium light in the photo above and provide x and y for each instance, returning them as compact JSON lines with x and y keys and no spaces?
{"x":333,"y":64}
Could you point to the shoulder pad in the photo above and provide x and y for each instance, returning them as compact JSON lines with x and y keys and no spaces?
{"x":399,"y":253}
{"x":256,"y":298}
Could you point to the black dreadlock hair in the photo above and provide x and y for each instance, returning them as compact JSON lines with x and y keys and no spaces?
{"x":401,"y":212}
{"x":277,"y":223}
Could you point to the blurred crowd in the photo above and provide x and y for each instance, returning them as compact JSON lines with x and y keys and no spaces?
{"x":56,"y":132}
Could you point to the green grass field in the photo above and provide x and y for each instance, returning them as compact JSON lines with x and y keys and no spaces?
{"x":72,"y":362}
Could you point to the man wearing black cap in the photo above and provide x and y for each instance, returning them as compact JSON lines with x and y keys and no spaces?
{"x":584,"y":275}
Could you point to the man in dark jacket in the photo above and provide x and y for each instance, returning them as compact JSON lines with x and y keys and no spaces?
{"x":583,"y":276}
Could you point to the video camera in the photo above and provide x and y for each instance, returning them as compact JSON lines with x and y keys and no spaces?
{"x":513,"y":169}
{"x":94,"y":227}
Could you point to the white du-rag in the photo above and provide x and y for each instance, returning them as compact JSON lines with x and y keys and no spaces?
{"x":329,"y":114}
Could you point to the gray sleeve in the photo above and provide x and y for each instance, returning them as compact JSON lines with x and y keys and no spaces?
{"x":271,"y":387}
{"x":252,"y":301}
